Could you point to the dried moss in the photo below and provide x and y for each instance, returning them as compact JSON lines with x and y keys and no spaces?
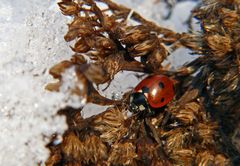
{"x":196,"y":128}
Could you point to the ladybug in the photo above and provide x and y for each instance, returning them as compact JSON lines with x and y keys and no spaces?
{"x":153,"y":92}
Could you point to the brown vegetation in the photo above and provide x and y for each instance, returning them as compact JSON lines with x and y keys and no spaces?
{"x":197,"y":128}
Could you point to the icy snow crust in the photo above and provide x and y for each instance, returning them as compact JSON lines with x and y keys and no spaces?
{"x":31,"y":41}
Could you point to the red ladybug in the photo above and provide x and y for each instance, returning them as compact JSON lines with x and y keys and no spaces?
{"x":155,"y":91}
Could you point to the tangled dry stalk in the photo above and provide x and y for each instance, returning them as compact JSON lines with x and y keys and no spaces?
{"x":199,"y":127}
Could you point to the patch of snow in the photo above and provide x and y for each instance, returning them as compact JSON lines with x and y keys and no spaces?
{"x":31,"y":42}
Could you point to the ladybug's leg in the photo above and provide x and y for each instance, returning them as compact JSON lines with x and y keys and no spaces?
{"x":150,"y":112}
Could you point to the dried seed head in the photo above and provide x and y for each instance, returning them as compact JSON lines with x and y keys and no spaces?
{"x":155,"y":59}
{"x":207,"y":132}
{"x":102,"y":47}
{"x":223,"y":86}
{"x":71,"y":35}
{"x":188,"y":114}
{"x":95,"y":150}
{"x":122,"y":154}
{"x":96,"y":73}
{"x":59,"y":68}
{"x":220,"y":45}
{"x":210,"y":5}
{"x":113,"y":64}
{"x":109,"y":23}
{"x":134,"y":34}
{"x":229,"y":18}
{"x":55,"y":156}
{"x":90,"y":150}
{"x":105,"y":43}
{"x":211,"y":26}
{"x":80,"y":27}
{"x":111,"y":125}
{"x":53,"y":86}
{"x":143,"y":48}
{"x":209,"y":158}
{"x":177,"y":139}
{"x":205,"y":158}
{"x":192,"y":41}
{"x":69,"y":8}
{"x":72,"y":147}
{"x":78,"y":59}
{"x":221,"y":160}
{"x":81,"y":46}
{"x":183,"y":156}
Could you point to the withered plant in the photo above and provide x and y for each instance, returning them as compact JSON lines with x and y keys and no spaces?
{"x":199,"y":127}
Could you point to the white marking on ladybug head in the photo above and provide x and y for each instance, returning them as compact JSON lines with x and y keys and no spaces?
{"x":141,"y":108}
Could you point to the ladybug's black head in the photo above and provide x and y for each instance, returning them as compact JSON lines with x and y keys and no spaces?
{"x":138,"y":103}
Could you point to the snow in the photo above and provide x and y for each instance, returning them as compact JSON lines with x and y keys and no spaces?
{"x":31,"y":42}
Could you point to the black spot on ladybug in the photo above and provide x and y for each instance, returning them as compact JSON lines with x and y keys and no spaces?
{"x":162,"y":100}
{"x":161,"y":85}
{"x":145,"y":89}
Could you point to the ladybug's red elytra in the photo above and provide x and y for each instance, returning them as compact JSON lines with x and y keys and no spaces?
{"x":155,"y":91}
